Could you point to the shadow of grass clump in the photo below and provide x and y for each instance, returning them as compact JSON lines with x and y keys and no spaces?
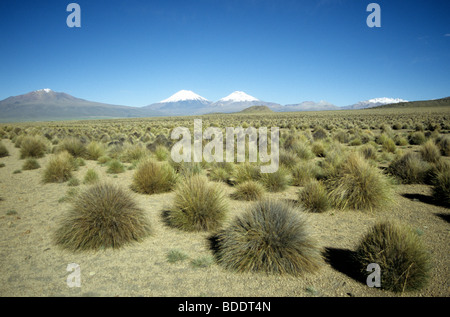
{"x":344,"y":261}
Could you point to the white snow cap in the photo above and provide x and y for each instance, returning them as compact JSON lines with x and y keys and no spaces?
{"x":184,"y":95}
{"x":385,"y":100}
{"x":239,"y":96}
{"x":47,"y":90}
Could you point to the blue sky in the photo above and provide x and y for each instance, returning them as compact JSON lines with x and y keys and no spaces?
{"x":139,"y":52}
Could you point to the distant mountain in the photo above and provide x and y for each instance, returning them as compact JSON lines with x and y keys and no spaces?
{"x":376,"y":102}
{"x":184,"y":102}
{"x":309,"y":106}
{"x":46,"y":104}
{"x":443,"y":102}
{"x":238,"y":101}
{"x":256,"y":109}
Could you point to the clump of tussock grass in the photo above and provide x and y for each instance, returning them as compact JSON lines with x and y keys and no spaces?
{"x":389,"y":146}
{"x":246,"y":172}
{"x":95,"y":150}
{"x":303,"y":151}
{"x":187,"y":169}
{"x":303,"y":172}
{"x":356,"y":141}
{"x":72,"y":145}
{"x":400,"y":140}
{"x":441,"y":187}
{"x":272,"y":237}
{"x":318,"y":148}
{"x":417,"y":138}
{"x":30,"y":164}
{"x":3,"y":150}
{"x":369,"y":152}
{"x":115,"y":167}
{"x":219,"y":175}
{"x":103,"y":159}
{"x":90,"y":177}
{"x":73,"y":181}
{"x":398,"y":250}
{"x":151,"y":177}
{"x":33,"y":146}
{"x":277,"y":181}
{"x":249,"y":190}
{"x":410,"y":168}
{"x":133,"y":153}
{"x":288,"y":159}
{"x":430,"y":152}
{"x":359,"y":185}
{"x":314,"y":196}
{"x":198,"y":205}
{"x":59,"y":168}
{"x":102,"y":216}
{"x":161,"y":153}
{"x":444,"y":144}
{"x":319,"y":133}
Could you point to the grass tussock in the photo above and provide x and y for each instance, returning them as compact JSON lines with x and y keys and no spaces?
{"x":198,"y":205}
{"x":72,"y":145}
{"x":33,"y":146}
{"x":153,"y":177}
{"x":314,"y":197}
{"x":95,"y":150}
{"x":398,"y":250}
{"x":441,"y":187}
{"x":59,"y":168}
{"x":303,"y":172}
{"x":430,"y":152}
{"x":30,"y":164}
{"x":359,"y":185}
{"x":3,"y":150}
{"x":102,"y":216}
{"x":272,"y":237}
{"x":90,"y":177}
{"x":410,"y":168}
{"x":249,"y":190}
{"x":115,"y":167}
{"x":277,"y":181}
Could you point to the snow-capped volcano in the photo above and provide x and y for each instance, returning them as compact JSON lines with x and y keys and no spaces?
{"x":238,"y":96}
{"x":184,"y":95}
{"x":238,"y":101}
{"x":184,"y":102}
{"x":375,"y":102}
{"x":47,"y":90}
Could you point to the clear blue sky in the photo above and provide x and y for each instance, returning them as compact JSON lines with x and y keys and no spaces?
{"x":136,"y":52}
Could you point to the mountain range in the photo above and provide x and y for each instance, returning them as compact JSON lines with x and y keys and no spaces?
{"x":46,"y":104}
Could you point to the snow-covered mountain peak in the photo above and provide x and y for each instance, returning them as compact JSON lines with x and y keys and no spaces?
{"x":184,"y":95}
{"x":46,"y":90}
{"x":238,"y":96}
{"x":385,"y":100}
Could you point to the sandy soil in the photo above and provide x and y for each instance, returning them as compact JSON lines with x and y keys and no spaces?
{"x":31,"y":265}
